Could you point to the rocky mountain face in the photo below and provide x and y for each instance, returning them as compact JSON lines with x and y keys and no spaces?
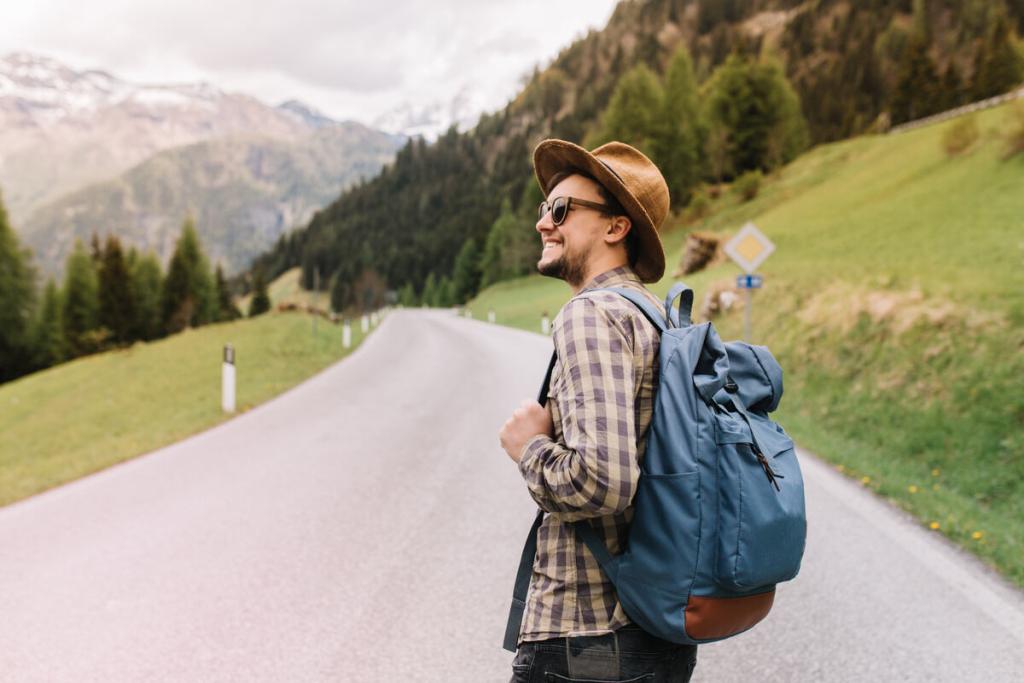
{"x":84,"y":151}
{"x":61,"y":129}
{"x":242,"y":192}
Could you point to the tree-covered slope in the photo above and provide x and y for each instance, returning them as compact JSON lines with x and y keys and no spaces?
{"x":853,"y":66}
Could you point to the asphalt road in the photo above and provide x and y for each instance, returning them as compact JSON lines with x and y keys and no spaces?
{"x":366,"y":526}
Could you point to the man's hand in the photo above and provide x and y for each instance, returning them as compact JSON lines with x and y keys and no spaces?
{"x":527,"y":421}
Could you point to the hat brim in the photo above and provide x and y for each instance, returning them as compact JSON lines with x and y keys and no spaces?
{"x":552,"y":156}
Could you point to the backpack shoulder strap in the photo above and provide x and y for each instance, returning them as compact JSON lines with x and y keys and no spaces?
{"x":515,"y":612}
{"x":656,"y":317}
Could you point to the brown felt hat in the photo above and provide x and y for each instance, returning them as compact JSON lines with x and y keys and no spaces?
{"x":631,"y":177}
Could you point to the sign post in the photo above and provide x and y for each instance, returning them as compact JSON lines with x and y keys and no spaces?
{"x":749,"y":249}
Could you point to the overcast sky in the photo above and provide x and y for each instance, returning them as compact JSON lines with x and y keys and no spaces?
{"x":350,"y":58}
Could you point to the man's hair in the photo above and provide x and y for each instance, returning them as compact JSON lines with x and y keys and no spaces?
{"x":606,"y":198}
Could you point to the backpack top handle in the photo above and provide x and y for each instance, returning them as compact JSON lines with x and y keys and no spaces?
{"x":682,"y":317}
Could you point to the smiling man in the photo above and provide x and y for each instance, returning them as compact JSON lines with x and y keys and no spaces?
{"x":580,"y":455}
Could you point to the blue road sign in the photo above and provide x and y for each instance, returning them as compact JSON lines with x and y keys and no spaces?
{"x":749,"y":281}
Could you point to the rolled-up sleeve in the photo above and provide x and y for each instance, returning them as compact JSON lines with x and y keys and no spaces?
{"x":592,"y":470}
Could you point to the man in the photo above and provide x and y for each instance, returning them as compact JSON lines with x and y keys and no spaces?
{"x":580,"y":455}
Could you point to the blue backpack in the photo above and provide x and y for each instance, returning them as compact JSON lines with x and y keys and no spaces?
{"x":719,"y":510}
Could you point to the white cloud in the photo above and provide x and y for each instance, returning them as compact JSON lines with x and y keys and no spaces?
{"x":352,"y":59}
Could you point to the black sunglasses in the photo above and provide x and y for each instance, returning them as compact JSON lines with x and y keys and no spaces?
{"x":560,"y":207}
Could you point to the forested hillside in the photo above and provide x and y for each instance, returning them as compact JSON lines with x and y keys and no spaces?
{"x":745,"y":71}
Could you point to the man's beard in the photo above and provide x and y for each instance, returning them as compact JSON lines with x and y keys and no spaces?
{"x":570,"y":266}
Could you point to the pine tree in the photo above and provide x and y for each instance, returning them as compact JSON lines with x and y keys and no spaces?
{"x":117,"y":302}
{"x":678,"y":145}
{"x":916,"y":94}
{"x":754,"y":112}
{"x":634,"y":111}
{"x":407,"y":295}
{"x":226,"y":308}
{"x":260,"y":298}
{"x":81,"y":303}
{"x":341,"y":292}
{"x":466,"y":273}
{"x":48,"y":340}
{"x":429,"y":297}
{"x":96,"y":250}
{"x":512,"y":247}
{"x":445,"y":296}
{"x":998,"y":65}
{"x":17,"y":302}
{"x":147,"y":290}
{"x":189,"y":298}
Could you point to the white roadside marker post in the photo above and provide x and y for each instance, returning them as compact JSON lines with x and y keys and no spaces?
{"x":545,"y":326}
{"x":365,"y":323}
{"x":490,"y":316}
{"x":346,"y":335}
{"x":227,"y":380}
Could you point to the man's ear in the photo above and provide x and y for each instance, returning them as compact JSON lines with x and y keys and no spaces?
{"x":617,"y":230}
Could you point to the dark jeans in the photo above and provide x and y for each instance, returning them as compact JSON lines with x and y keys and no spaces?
{"x":630,"y":654}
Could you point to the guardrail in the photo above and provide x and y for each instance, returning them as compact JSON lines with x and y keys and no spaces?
{"x":959,"y":111}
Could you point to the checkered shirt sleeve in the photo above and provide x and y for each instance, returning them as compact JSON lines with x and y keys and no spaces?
{"x":593,"y":471}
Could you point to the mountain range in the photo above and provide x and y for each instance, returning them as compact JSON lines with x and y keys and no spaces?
{"x":85,"y":151}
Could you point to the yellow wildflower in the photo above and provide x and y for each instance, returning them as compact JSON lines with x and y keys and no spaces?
{"x":934,"y":525}
{"x":977,"y":535}
{"x":912,"y":488}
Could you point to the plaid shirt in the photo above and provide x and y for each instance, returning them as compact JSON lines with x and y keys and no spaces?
{"x":601,"y":399}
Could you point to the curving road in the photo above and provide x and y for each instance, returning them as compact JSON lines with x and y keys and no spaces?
{"x":366,"y":525}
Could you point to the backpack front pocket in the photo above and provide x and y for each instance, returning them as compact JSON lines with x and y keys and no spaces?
{"x":762,"y":526}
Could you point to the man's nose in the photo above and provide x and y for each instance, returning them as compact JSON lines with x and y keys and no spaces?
{"x":545,"y":224}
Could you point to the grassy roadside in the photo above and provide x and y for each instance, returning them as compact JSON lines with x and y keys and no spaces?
{"x":83,"y":416}
{"x":895,"y":303}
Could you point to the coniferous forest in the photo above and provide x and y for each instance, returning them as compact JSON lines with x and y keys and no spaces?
{"x":109,"y":298}
{"x":712,"y":90}
{"x":709,"y":89}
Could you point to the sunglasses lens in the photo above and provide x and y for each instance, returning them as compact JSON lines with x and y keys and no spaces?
{"x":558,"y":210}
{"x":541,"y":210}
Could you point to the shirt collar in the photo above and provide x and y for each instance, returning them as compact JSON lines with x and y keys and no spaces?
{"x":610,"y":278}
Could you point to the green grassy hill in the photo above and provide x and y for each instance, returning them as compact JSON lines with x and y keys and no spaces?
{"x":83,"y":416}
{"x":895,"y":303}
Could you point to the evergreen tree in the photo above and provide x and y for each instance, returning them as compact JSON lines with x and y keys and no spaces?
{"x":147,"y":290}
{"x":96,"y":250}
{"x":341,"y":292}
{"x":633,"y":115}
{"x":48,"y":340}
{"x":916,"y":94}
{"x":189,"y":298}
{"x":952,"y":91}
{"x":445,"y":293}
{"x":430,"y":292}
{"x":999,"y":67}
{"x":117,"y":303}
{"x":753,"y":111}
{"x":17,"y":302}
{"x":407,"y":295}
{"x":677,"y":148}
{"x":260,"y":298}
{"x":466,"y":276}
{"x":226,"y":308}
{"x":81,"y":303}
{"x":512,"y":247}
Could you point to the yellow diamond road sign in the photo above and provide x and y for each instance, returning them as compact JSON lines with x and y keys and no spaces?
{"x":749,"y":248}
